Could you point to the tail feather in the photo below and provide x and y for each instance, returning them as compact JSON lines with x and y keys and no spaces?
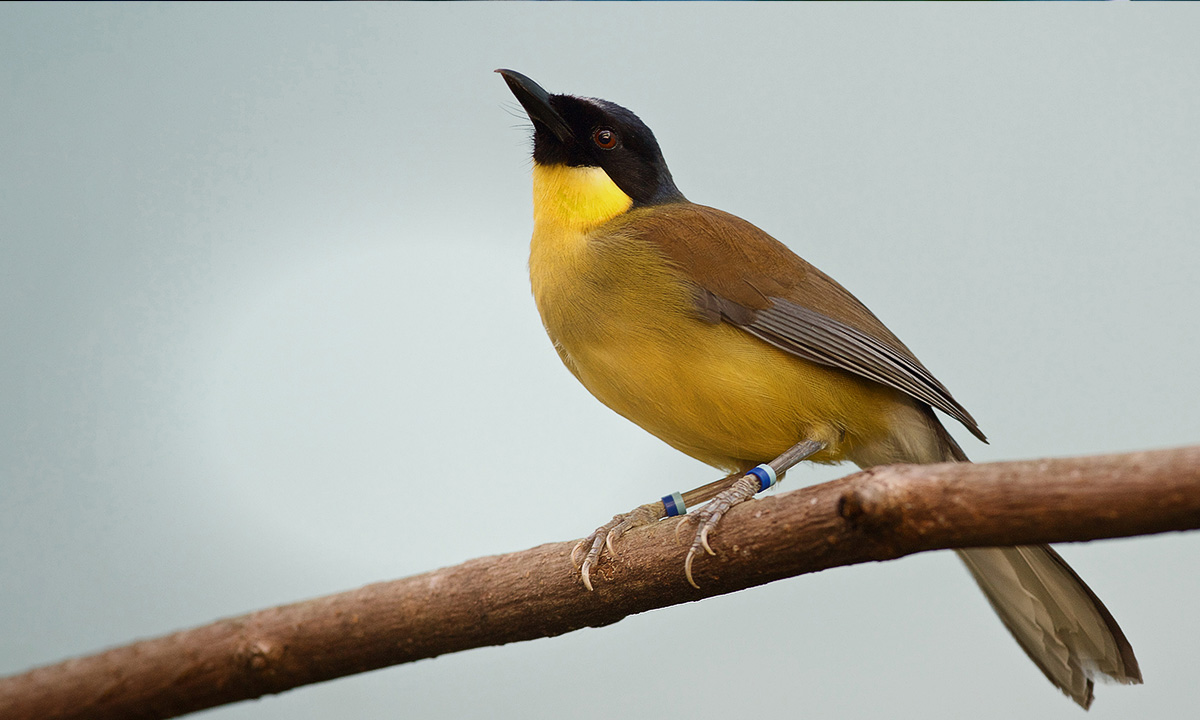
{"x":1053,"y":615}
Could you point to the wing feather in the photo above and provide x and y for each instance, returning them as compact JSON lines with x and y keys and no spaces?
{"x":786,"y":301}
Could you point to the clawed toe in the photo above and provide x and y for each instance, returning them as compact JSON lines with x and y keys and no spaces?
{"x":609,"y":533}
{"x":710,"y":516}
{"x":720,"y":495}
{"x":595,"y":543}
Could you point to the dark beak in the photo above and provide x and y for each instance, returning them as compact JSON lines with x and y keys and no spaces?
{"x":536,"y":102}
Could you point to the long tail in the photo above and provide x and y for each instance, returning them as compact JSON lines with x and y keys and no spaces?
{"x":1055,"y":617}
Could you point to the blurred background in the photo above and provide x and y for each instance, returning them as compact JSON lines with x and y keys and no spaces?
{"x":266,"y":331}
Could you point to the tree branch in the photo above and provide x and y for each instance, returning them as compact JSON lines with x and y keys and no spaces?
{"x":877,"y":514}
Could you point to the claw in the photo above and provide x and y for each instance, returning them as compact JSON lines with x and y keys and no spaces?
{"x":586,"y":573}
{"x":608,"y":534}
{"x":699,"y":541}
{"x":710,"y":516}
{"x":682,"y":521}
{"x":687,"y":567}
{"x":704,"y":539}
{"x":592,"y":556}
{"x":608,"y":541}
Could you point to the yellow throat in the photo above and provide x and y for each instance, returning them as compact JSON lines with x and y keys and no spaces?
{"x":574,"y":199}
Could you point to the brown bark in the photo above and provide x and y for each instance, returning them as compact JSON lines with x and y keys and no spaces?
{"x":878,"y":514}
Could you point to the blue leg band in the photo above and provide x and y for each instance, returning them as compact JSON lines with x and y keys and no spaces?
{"x":674,"y":504}
{"x":766,"y":476}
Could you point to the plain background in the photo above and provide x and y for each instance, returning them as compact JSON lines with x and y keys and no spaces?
{"x":266,"y":330}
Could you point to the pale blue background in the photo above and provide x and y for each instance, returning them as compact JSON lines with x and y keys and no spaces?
{"x":266,"y":332}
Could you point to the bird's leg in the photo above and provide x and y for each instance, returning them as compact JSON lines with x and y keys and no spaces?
{"x":740,"y":490}
{"x":608,"y":534}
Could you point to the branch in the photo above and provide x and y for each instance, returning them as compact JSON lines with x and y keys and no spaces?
{"x":878,"y":514}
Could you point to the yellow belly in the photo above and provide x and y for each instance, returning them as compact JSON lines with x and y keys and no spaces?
{"x":623,"y":323}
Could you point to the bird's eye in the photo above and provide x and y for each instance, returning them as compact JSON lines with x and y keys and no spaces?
{"x":605,"y":139}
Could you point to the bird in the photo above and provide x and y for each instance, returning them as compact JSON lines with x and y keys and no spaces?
{"x":719,"y":340}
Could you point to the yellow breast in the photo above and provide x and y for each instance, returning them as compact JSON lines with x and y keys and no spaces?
{"x":622,"y":320}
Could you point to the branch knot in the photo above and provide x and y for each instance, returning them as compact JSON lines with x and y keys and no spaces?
{"x":871,"y":505}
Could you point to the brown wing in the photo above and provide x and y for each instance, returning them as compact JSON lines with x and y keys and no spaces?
{"x":785,"y":301}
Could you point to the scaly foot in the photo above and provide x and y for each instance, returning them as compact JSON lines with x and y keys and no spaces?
{"x":720,"y":495}
{"x":710,"y":515}
{"x":610,"y":532}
